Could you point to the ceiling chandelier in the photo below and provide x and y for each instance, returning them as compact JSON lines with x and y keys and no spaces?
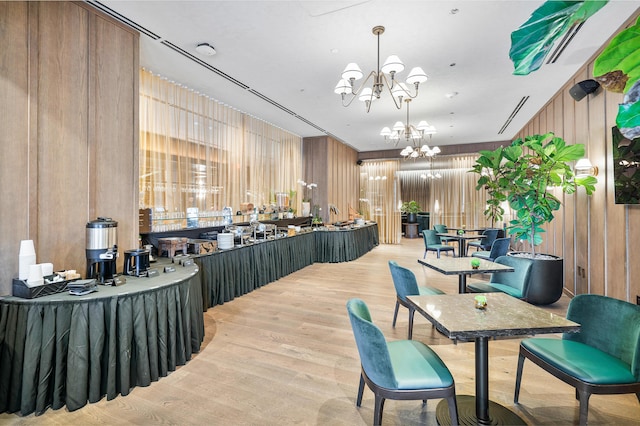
{"x":345,"y":87}
{"x":414,"y":136}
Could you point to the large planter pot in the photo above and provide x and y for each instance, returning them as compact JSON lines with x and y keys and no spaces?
{"x":412,"y":217}
{"x":546,"y":281}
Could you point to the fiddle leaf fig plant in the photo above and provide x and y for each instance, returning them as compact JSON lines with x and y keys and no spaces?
{"x":410,"y":207}
{"x":617,"y":69}
{"x":526,"y":175}
{"x":532,"y":42}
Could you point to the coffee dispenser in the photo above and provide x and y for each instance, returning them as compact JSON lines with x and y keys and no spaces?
{"x":102,"y":249}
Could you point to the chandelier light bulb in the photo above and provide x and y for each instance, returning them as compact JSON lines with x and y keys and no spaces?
{"x":417,"y":76}
{"x":366,"y":95}
{"x":352,"y":71}
{"x":392,"y":65}
{"x":343,"y":87}
{"x":386,"y":132}
{"x":399,"y":126}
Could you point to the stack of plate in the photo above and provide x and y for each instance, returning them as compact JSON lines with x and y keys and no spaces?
{"x":225,"y":241}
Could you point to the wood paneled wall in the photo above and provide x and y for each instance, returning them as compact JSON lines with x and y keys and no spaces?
{"x":70,"y":135}
{"x":595,"y":236}
{"x":332,"y":165}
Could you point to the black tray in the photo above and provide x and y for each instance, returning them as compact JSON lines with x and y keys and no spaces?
{"x":21,"y":289}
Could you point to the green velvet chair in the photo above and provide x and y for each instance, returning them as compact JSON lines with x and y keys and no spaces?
{"x":514,"y":283}
{"x":500,"y":247}
{"x":406,"y":285}
{"x":442,"y":229}
{"x":489,"y":236}
{"x":603,"y":358}
{"x":400,"y":369}
{"x":432,"y":242}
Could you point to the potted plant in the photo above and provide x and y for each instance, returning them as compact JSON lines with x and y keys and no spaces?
{"x":411,"y":208}
{"x":523,"y":174}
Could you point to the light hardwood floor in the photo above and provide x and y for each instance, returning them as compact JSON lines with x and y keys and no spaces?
{"x":285,"y":355}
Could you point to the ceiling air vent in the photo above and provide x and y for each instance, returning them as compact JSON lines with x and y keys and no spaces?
{"x":115,"y":15}
{"x":515,"y":112}
{"x":569,"y":35}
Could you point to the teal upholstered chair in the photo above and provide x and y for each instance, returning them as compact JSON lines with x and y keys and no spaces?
{"x":401,"y":369}
{"x":500,"y":247}
{"x":406,"y":285}
{"x":515,"y":283}
{"x":489,"y":236}
{"x":603,"y":358}
{"x":442,"y":229}
{"x":432,"y":242}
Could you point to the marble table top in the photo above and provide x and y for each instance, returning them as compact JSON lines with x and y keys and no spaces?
{"x":462,"y":265}
{"x":456,"y":316}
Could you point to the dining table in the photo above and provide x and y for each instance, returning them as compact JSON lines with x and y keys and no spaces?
{"x":461,"y":266}
{"x":462,"y":240}
{"x":457,"y":317}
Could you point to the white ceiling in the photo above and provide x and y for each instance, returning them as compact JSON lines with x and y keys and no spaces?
{"x":293,"y":53}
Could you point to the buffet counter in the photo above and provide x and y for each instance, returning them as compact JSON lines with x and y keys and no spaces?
{"x":68,"y":350}
{"x":227,"y":274}
{"x":63,"y":350}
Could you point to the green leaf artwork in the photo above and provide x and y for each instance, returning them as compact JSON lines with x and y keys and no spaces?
{"x":531,"y":43}
{"x":617,"y":69}
{"x":622,"y":55}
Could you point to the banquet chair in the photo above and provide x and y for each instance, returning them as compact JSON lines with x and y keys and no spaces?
{"x":489,"y":236}
{"x":603,"y":358}
{"x":500,"y":247}
{"x":406,"y":285}
{"x":400,"y":369}
{"x":432,"y":242}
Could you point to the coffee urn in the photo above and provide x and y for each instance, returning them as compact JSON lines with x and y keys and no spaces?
{"x":102,"y":249}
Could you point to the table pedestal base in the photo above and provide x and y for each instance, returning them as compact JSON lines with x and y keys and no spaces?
{"x":499,"y":415}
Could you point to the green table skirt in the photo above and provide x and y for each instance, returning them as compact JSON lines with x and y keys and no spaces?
{"x":67,"y":350}
{"x":231,"y":273}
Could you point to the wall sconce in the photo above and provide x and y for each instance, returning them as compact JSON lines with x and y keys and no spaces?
{"x":584,"y":168}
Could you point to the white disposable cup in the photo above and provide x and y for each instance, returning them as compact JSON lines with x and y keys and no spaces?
{"x":47,"y":269}
{"x":35,"y":275}
{"x":26,"y":258}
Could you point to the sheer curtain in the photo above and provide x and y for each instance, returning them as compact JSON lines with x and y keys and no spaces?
{"x":452,"y":199}
{"x":379,"y":198}
{"x":199,"y":153}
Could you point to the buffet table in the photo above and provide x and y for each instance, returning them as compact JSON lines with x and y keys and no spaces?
{"x":63,"y":350}
{"x":68,"y":350}
{"x":227,"y":274}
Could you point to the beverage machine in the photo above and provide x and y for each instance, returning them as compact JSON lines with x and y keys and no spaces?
{"x":102,"y":250}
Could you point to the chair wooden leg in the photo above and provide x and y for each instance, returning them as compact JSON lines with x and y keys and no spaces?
{"x":453,"y":409}
{"x":411,"y":315}
{"x":395,"y":314}
{"x":377,"y":412}
{"x":516,"y":394}
{"x":584,"y":407}
{"x":360,"y":391}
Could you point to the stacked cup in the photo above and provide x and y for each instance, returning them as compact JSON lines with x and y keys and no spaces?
{"x":26,"y":258}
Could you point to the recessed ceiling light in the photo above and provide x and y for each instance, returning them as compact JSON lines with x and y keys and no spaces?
{"x":451,"y":95}
{"x":205,"y":49}
{"x":454,"y":11}
{"x":334,"y":50}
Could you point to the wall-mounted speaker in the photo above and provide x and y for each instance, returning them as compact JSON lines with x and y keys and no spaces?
{"x":359,"y":162}
{"x":583,"y":88}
